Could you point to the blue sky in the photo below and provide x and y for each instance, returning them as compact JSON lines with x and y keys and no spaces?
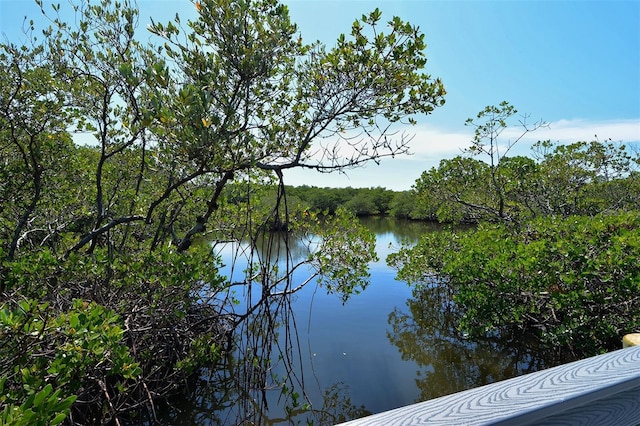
{"x":574,"y":64}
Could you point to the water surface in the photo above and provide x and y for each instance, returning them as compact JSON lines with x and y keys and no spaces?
{"x":311,"y":358}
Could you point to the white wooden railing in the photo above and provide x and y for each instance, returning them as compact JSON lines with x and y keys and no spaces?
{"x":602,"y":390}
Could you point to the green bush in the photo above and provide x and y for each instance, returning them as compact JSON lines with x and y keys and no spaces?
{"x":574,"y":281}
{"x":43,"y":350}
{"x":45,"y":407}
{"x":107,"y":330}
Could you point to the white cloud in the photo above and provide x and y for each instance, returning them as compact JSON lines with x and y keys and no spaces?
{"x":431,"y":142}
{"x":569,"y":131}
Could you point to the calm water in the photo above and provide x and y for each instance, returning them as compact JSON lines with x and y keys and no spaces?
{"x":310,"y":358}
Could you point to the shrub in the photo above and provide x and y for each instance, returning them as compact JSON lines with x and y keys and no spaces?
{"x":575,"y":281}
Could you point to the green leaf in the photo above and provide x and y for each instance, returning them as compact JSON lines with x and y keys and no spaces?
{"x":59,"y":418}
{"x":40,"y":396}
{"x":66,"y":403}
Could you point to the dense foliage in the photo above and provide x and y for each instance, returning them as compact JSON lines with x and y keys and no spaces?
{"x":110,"y":295}
{"x":576,"y":281}
{"x":555,"y":252}
{"x":576,"y":179}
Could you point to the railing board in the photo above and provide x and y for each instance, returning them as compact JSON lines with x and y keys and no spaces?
{"x":619,"y":409}
{"x":532,"y":398}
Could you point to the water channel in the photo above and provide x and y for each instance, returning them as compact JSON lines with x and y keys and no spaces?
{"x":313,"y":360}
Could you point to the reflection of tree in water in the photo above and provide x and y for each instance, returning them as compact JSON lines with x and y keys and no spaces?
{"x":261,"y":380}
{"x":406,"y":231}
{"x":449,"y":363}
{"x":402,"y":229}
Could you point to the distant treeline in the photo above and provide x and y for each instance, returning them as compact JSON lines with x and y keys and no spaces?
{"x":360,"y":201}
